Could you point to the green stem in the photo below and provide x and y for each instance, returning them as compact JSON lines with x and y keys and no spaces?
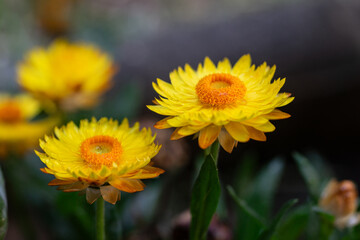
{"x":100,"y":219}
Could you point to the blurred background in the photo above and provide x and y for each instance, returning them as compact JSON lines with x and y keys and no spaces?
{"x":314,"y":44}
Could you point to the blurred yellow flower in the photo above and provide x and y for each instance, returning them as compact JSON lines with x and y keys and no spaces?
{"x":341,"y":200}
{"x":232,"y":104}
{"x":18,"y":130}
{"x":72,"y":75}
{"x":100,"y":158}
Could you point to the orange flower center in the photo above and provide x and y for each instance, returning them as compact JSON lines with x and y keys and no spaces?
{"x":220,"y":89}
{"x":10,"y":112}
{"x":100,"y":150}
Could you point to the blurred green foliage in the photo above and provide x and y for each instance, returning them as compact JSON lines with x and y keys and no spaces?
{"x":3,"y":207}
{"x":258,"y":193}
{"x":71,"y":217}
{"x":254,"y":197}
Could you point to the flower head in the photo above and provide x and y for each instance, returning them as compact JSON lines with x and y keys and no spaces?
{"x":101,"y":158}
{"x":18,"y":129}
{"x":72,"y":75}
{"x":232,"y":104}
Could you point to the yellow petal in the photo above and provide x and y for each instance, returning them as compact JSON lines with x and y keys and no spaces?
{"x":256,"y":134}
{"x":226,"y":141}
{"x":238,"y":131}
{"x":242,"y":65}
{"x":288,"y":100}
{"x":260,"y":123}
{"x":128,"y":185}
{"x":165,"y":88}
{"x":276,"y":114}
{"x":192,"y":75}
{"x":189,"y":130}
{"x":175,"y":135}
{"x":267,"y":127}
{"x":162,"y":124}
{"x":209,"y":66}
{"x":208,"y":135}
{"x":224,"y":66}
{"x":147,"y":172}
{"x":110,"y":194}
{"x":159,"y":109}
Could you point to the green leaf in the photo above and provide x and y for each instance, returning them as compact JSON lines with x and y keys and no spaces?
{"x":259,"y":196}
{"x":204,"y":199}
{"x":326,"y":223}
{"x":245,"y":207}
{"x":321,"y":166}
{"x":268,"y":233}
{"x":320,"y":225}
{"x":310,"y":175}
{"x":3,"y":207}
{"x":264,"y":187}
{"x":293,"y":224}
{"x":324,"y":215}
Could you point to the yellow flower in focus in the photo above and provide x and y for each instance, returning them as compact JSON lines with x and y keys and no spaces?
{"x":101,"y":158}
{"x":18,"y":130}
{"x":72,"y":75}
{"x":232,"y":104}
{"x":341,"y":200}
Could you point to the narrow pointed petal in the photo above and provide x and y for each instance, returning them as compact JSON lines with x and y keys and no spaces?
{"x":288,"y":100}
{"x":175,"y":135}
{"x":267,"y":127}
{"x":162,"y":124}
{"x":226,"y":141}
{"x":209,"y":66}
{"x":276,"y":114}
{"x":224,"y":66}
{"x":208,"y":135}
{"x":147,"y":172}
{"x":110,"y":194}
{"x":242,"y":65}
{"x":190,"y":130}
{"x":238,"y":131}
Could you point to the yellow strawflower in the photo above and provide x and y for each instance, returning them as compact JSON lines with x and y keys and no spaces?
{"x":100,"y":158}
{"x":18,"y":129}
{"x":232,"y":104}
{"x":72,"y":75}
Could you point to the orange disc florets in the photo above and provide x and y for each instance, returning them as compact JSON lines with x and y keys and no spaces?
{"x":10,"y":112}
{"x":100,"y":150}
{"x":220,"y":89}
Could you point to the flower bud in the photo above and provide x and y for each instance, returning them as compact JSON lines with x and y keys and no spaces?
{"x":340,"y":199}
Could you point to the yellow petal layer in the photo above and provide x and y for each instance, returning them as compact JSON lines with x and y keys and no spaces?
{"x":208,"y":135}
